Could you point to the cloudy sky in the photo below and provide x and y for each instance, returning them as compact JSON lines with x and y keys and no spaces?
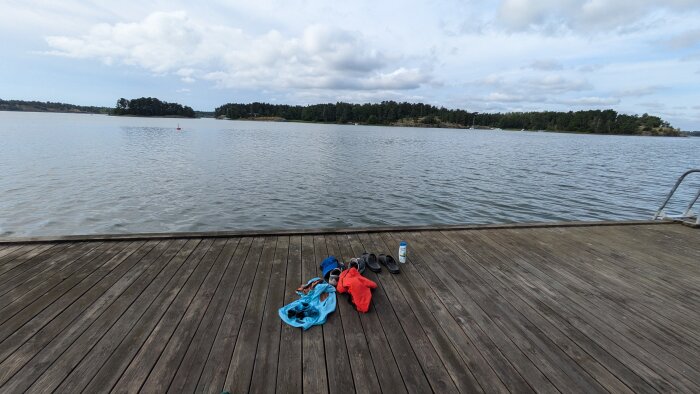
{"x":634,"y":56}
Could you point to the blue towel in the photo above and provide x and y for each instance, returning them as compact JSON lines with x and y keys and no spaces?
{"x":314,"y":310}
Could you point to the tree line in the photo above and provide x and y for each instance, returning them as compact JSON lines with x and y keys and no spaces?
{"x":48,"y":106}
{"x":391,"y":112}
{"x":149,"y":106}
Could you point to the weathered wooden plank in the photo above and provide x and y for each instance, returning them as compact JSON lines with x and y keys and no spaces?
{"x":314,"y":377}
{"x":629,"y":252}
{"x":44,"y":262}
{"x":62,"y":303}
{"x":240,"y":370}
{"x":289,"y":365}
{"x":676,"y":243}
{"x":495,"y":308}
{"x":90,"y":364}
{"x":138,"y":370}
{"x":334,"y":338}
{"x":566,"y":347}
{"x":595,"y":302}
{"x":119,"y":358}
{"x":495,"y":342}
{"x":567,"y":300}
{"x":664,"y":274}
{"x":70,"y":273}
{"x":31,"y":261}
{"x":19,"y":254}
{"x":10,"y":254}
{"x":383,"y":358}
{"x":423,"y":312}
{"x":215,"y":370}
{"x":438,"y":374}
{"x":477,"y":365}
{"x":558,"y":368}
{"x":97,"y":318}
{"x":22,"y":321}
{"x":191,"y":367}
{"x":170,"y":359}
{"x":5,"y":250}
{"x":630,"y":288}
{"x":533,"y":295}
{"x":483,"y":345}
{"x":21,"y":296}
{"x":88,"y":304}
{"x":363,"y":372}
{"x":264,"y":376}
{"x":316,"y":231}
{"x":408,"y":364}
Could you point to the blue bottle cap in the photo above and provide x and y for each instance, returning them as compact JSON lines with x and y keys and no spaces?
{"x":403,"y":243}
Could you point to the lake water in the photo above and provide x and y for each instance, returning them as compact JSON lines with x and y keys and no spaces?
{"x":88,"y":174}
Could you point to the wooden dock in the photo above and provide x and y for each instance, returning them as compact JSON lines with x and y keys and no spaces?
{"x":544,"y":308}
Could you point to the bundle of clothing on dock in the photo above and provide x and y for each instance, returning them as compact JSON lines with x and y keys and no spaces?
{"x":317,"y":297}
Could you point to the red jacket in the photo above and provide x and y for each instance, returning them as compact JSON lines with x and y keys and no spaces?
{"x":352,"y":282}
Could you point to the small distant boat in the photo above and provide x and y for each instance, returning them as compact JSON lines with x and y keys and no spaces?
{"x":178,"y":127}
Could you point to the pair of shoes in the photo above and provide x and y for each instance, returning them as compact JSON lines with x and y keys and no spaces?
{"x":386,"y":260}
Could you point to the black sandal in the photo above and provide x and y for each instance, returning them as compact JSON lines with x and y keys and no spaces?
{"x":389,"y":263}
{"x":371,"y":261}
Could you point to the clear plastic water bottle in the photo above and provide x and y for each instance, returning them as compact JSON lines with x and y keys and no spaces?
{"x":402,"y":252}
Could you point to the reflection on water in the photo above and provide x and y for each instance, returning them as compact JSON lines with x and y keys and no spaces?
{"x":81,"y":174}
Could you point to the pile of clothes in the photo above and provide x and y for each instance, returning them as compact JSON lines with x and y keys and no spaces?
{"x":316,"y":302}
{"x":349,"y":279}
{"x":318,"y":296}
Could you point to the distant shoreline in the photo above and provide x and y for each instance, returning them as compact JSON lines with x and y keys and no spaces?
{"x":54,"y":112}
{"x":106,"y":114}
{"x":397,"y":124}
{"x":154,"y":116}
{"x":456,"y":127}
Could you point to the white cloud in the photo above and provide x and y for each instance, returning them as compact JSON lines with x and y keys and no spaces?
{"x":587,"y":68}
{"x":505,"y":98}
{"x":589,"y":16}
{"x":591,"y":101}
{"x":547,"y":84}
{"x":684,"y":40}
{"x":523,"y":54}
{"x":546,"y":65}
{"x":161,"y":43}
{"x":653,"y":105}
{"x":322,"y":57}
{"x":186,"y":74}
{"x":638,"y":91}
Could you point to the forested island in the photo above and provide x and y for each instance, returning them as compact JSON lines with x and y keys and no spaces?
{"x":48,"y":106}
{"x":425,"y":115}
{"x":388,"y":113}
{"x":149,"y":106}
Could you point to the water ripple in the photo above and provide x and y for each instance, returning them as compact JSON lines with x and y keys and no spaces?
{"x":81,"y":174}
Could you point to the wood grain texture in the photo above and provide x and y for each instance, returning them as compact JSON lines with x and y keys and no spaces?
{"x":582,"y":307}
